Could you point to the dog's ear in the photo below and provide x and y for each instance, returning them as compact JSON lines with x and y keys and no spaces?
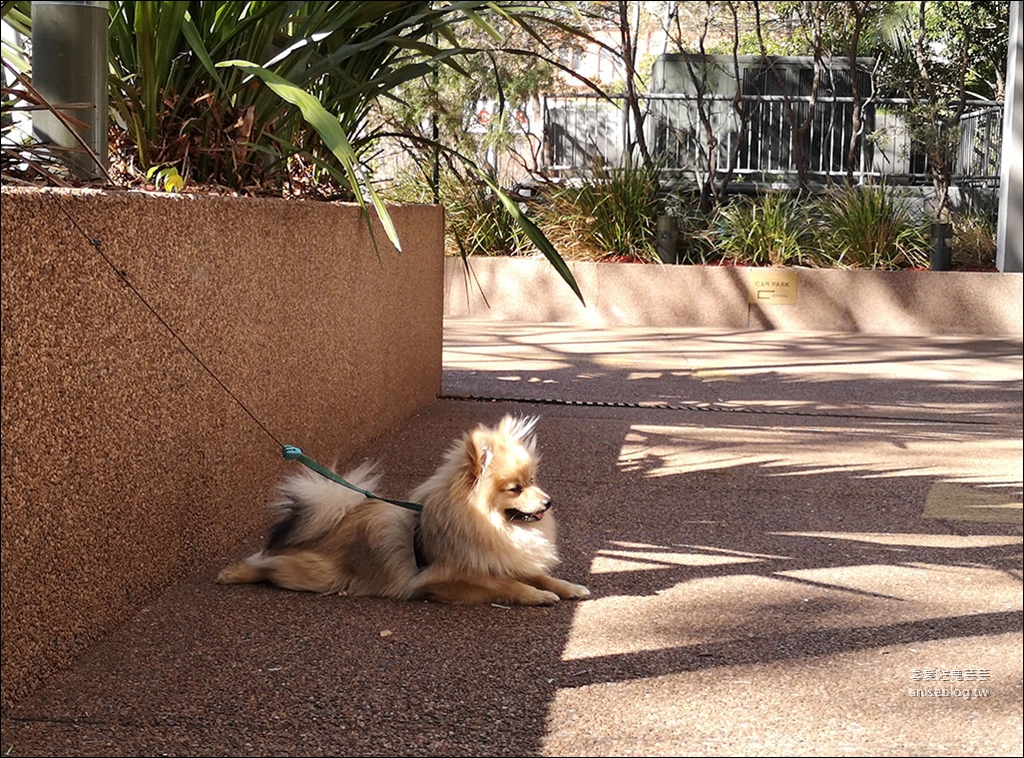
{"x":519,"y":428}
{"x":480,"y":451}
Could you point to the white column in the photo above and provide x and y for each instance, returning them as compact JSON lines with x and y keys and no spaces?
{"x":1009,"y":229}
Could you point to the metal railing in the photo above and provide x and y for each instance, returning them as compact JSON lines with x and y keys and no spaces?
{"x":755,"y":140}
{"x":981,"y":142}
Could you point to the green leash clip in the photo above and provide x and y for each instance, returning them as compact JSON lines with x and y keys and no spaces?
{"x":293,"y":453}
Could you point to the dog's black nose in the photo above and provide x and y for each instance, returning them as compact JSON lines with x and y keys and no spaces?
{"x":546,"y":503}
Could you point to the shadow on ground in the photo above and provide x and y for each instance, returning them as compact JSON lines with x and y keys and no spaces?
{"x":826,"y":524}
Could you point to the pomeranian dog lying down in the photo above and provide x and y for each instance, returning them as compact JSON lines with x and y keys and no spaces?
{"x":486,"y":533}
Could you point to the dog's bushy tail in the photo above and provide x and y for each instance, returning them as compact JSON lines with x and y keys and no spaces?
{"x":312,"y":505}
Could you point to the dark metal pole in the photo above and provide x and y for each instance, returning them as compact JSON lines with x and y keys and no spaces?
{"x":435,"y":179}
{"x":70,"y":70}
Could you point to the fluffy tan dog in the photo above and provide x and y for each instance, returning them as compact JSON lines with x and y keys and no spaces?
{"x":486,"y":533}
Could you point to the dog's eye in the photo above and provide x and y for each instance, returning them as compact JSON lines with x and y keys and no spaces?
{"x":516,"y":489}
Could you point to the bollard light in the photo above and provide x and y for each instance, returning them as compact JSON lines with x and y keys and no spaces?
{"x":69,"y":69}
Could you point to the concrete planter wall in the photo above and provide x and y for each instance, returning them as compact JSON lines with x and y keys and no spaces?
{"x":896,"y":302}
{"x":125,"y":464}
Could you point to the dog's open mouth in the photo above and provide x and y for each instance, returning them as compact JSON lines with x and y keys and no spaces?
{"x":524,"y":518}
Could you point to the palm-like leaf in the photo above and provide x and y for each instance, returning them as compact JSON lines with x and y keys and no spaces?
{"x":331,"y":133}
{"x":229,"y":91}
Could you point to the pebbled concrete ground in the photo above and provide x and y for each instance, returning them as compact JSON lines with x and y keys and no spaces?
{"x":799,"y":543}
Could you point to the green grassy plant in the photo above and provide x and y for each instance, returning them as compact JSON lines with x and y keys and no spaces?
{"x":612,"y":214}
{"x":476,"y":222}
{"x":870,"y":227}
{"x":769,"y":231}
{"x":974,"y":239}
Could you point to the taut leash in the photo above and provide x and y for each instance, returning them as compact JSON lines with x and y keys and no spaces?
{"x":293,"y":453}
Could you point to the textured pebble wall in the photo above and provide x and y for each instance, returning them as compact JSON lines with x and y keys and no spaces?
{"x":125,"y":463}
{"x":621,"y":294}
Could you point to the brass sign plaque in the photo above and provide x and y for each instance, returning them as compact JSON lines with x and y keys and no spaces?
{"x":767,"y":286}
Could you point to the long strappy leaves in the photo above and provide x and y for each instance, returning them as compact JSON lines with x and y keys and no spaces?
{"x":230,"y":92}
{"x":330,"y":131}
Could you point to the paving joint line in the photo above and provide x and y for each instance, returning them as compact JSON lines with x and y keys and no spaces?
{"x":706,"y":408}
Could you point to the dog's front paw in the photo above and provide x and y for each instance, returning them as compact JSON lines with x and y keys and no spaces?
{"x":576,"y":592}
{"x":565,"y":590}
{"x":539,"y":597}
